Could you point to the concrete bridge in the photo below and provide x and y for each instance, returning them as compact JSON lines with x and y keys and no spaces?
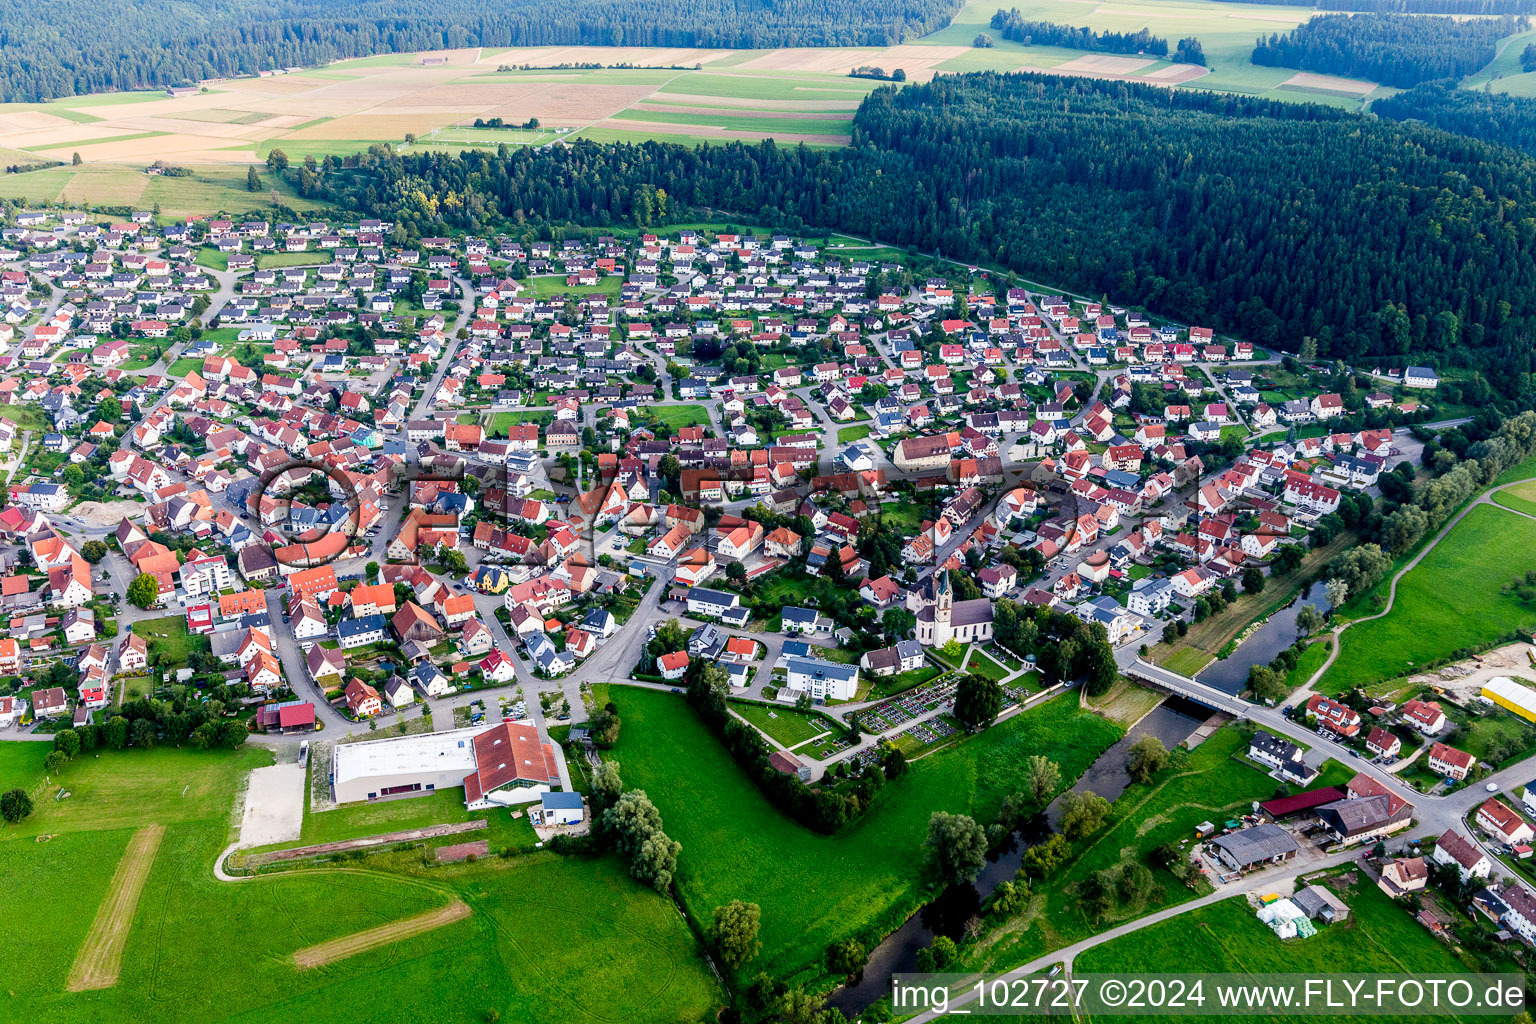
{"x":1163,"y":679}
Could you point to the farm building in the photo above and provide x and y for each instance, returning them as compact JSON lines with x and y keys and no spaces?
{"x":1255,"y":847}
{"x":1507,"y":693}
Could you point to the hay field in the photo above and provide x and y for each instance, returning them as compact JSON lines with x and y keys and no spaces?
{"x":100,"y":960}
{"x":362,"y":942}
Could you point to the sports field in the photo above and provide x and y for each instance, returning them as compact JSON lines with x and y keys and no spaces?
{"x":88,"y":900}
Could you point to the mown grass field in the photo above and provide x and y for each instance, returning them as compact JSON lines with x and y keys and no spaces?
{"x":1226,"y":937}
{"x":1520,"y":497}
{"x":353,"y":821}
{"x":816,"y":889}
{"x":784,"y":724}
{"x":1449,"y":601}
{"x":27,"y":416}
{"x":676,"y":416}
{"x":546,"y":934}
{"x":983,"y":665}
{"x":543,"y":287}
{"x":273,"y":260}
{"x":1312,"y":658}
{"x":168,"y":636}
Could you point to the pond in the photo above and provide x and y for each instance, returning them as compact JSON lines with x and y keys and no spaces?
{"x":1172,"y":721}
{"x":1230,"y":674}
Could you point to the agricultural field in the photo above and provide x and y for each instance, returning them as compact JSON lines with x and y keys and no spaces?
{"x":693,"y":96}
{"x":238,"y":947}
{"x":816,"y":889}
{"x":1226,"y":31}
{"x":211,"y":188}
{"x":1450,"y":601}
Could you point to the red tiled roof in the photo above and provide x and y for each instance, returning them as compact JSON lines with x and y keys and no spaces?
{"x":508,"y":753}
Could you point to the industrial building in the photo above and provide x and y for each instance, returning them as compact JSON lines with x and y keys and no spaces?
{"x":500,"y":766}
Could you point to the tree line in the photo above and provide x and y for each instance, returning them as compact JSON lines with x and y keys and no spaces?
{"x":1016,"y":27}
{"x":1384,"y":241}
{"x":1494,"y":117}
{"x":74,"y":46}
{"x":1394,"y":49}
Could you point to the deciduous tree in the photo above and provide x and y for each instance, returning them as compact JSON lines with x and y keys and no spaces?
{"x":978,"y":699}
{"x":736,"y":928}
{"x":956,"y":847}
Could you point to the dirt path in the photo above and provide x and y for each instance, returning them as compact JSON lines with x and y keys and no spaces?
{"x":100,"y":959}
{"x":363,"y":941}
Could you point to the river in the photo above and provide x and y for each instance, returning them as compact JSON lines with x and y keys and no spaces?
{"x":1230,"y":674}
{"x":1172,"y":721}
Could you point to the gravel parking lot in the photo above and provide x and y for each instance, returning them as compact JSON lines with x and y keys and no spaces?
{"x":274,"y":806}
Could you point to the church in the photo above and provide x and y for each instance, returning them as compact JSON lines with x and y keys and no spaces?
{"x":940,"y":618}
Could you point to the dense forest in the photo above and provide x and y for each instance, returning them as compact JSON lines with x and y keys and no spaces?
{"x":1458,"y":7}
{"x":1394,"y":49}
{"x":1014,"y":26}
{"x":66,"y":47}
{"x":1381,"y":240}
{"x":1490,"y":116}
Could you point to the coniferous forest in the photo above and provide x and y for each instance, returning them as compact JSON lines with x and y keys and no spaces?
{"x":1016,"y":27}
{"x":65,"y":47}
{"x":1394,"y":49}
{"x":1381,"y":240}
{"x":1491,"y":116}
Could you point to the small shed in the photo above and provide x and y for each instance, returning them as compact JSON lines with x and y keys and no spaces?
{"x":1320,"y":904}
{"x":561,"y":808}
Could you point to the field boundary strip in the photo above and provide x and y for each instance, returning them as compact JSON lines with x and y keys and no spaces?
{"x":100,"y":960}
{"x":372,"y":938}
